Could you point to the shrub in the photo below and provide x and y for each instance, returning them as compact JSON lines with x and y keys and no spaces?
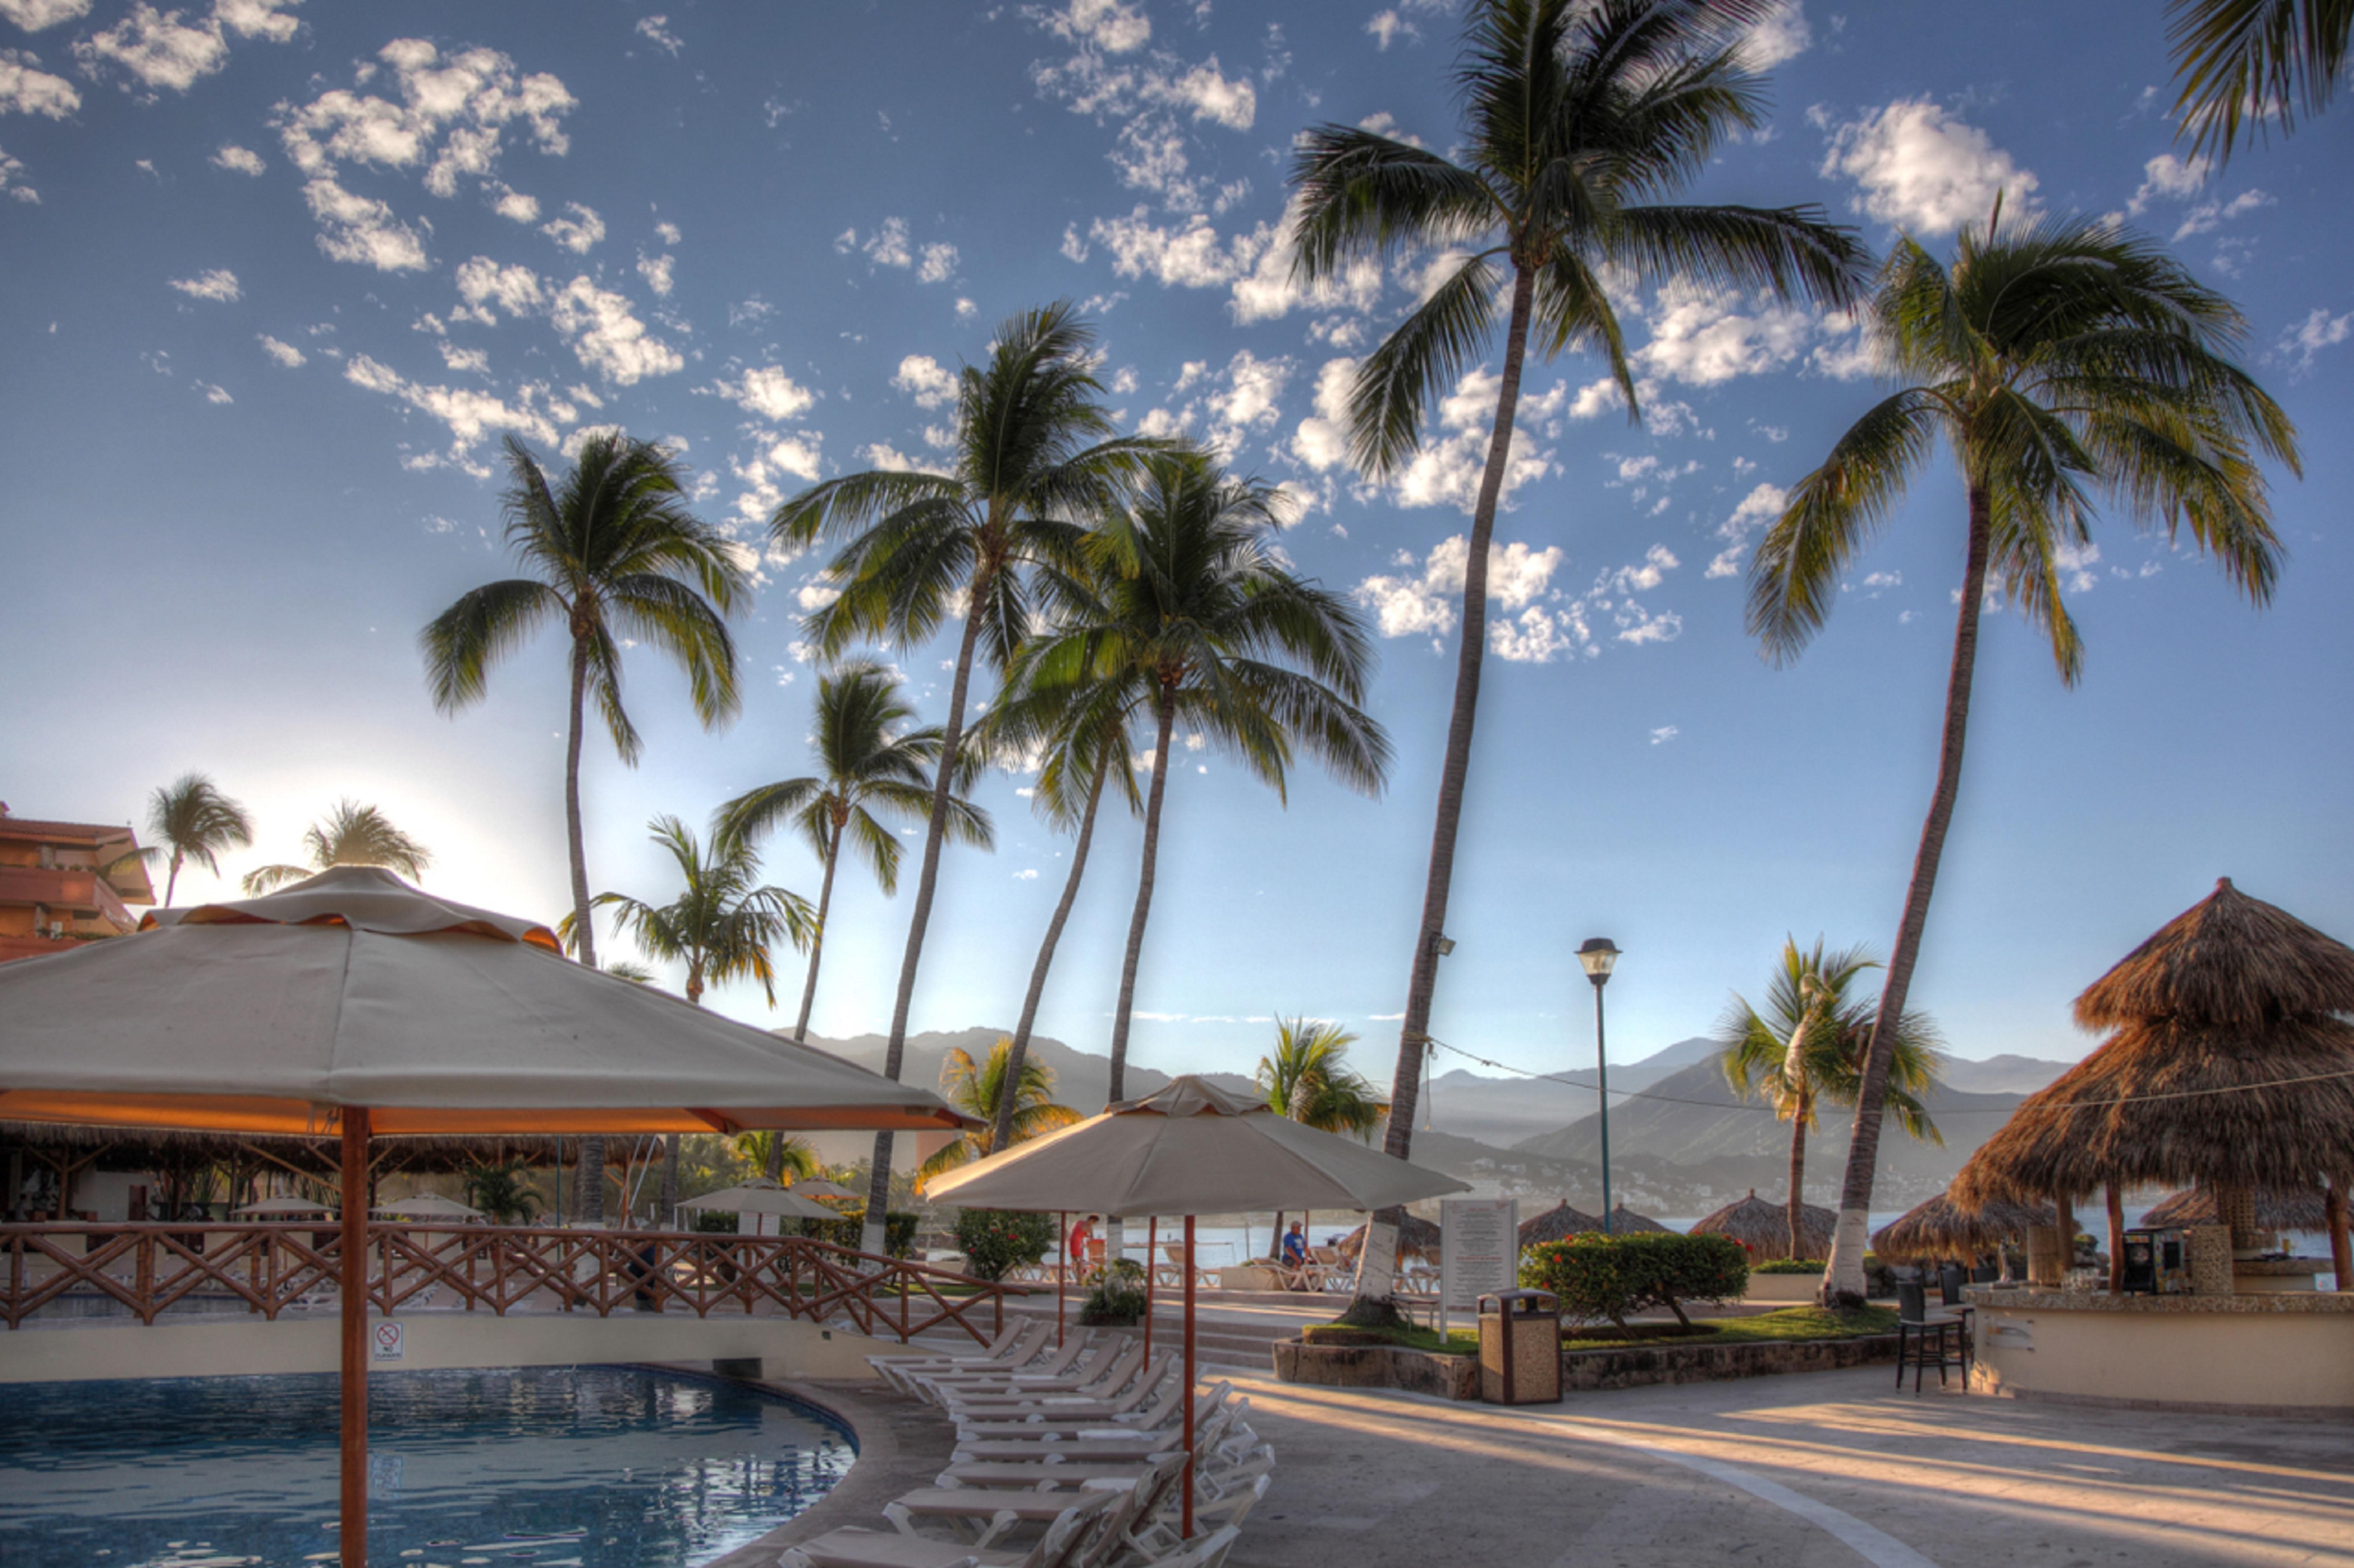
{"x":1614,"y":1278}
{"x":1119,"y":1293}
{"x":996,"y":1240}
{"x":1788,"y":1266}
{"x":712,"y":1222}
{"x":898,"y":1231}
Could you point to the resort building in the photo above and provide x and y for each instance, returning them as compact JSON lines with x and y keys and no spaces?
{"x":61,"y":883}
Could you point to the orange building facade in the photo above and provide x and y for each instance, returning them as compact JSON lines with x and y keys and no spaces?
{"x":66,"y":882}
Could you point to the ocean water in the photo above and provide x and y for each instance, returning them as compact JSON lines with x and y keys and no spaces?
{"x":546,"y":1466}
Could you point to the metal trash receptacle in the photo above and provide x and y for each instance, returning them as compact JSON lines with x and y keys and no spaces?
{"x":1519,"y":1348}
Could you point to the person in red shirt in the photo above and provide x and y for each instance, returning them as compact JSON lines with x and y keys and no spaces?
{"x":1078,"y":1246}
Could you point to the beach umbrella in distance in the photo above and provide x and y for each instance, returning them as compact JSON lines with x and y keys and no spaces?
{"x":1417,"y":1237}
{"x":1191,"y":1148}
{"x":428,"y":1206}
{"x":1941,"y":1230}
{"x":1557,"y":1224}
{"x":761,"y":1198}
{"x":1764,"y":1228}
{"x":819,"y":1187}
{"x":1625,"y":1221}
{"x":281,"y":1208}
{"x":2299,"y":1209}
{"x":352,"y":1005}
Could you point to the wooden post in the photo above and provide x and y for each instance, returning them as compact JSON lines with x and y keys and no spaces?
{"x":2116,"y":1241}
{"x":1186,"y":1480}
{"x":1061,"y":1274}
{"x":353,"y":1538}
{"x":2341,"y":1255}
{"x":1151,"y":1253}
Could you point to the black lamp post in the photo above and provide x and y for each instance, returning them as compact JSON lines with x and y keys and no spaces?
{"x":1597,"y":956}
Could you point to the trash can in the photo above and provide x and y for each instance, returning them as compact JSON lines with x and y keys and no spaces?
{"x":1519,"y":1348}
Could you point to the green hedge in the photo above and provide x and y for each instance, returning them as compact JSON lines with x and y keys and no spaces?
{"x":1788,"y":1266}
{"x":1614,"y":1278}
{"x":996,"y":1240}
{"x":898,"y":1230}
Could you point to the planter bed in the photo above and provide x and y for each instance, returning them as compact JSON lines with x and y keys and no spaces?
{"x":1377,"y":1366}
{"x":1634,"y":1366}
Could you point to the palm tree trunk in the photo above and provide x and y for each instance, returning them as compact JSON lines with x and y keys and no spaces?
{"x":1165,"y":718}
{"x":1003,"y":1136}
{"x":1799,"y":1184}
{"x":878,"y":1184}
{"x":817,"y":941}
{"x":1377,"y":1264}
{"x":172,"y":879}
{"x":589,"y":1196}
{"x":1843,"y":1276}
{"x":670,"y":1177}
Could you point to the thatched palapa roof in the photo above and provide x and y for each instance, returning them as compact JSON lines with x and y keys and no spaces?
{"x":1764,"y":1228}
{"x":2227,"y":1069}
{"x":2296,"y":1209}
{"x":1625,"y":1221}
{"x":1557,"y":1224}
{"x":1941,"y":1230}
{"x":1417,"y":1237}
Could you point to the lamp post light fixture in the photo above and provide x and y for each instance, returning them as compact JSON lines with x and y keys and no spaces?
{"x":1596,"y":955}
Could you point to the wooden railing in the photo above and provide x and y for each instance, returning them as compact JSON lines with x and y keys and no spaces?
{"x":269,"y":1268}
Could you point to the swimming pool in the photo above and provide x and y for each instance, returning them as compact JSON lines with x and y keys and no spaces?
{"x":549,"y":1466}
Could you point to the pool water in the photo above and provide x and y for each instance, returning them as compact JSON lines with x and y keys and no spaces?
{"x":546,"y":1466}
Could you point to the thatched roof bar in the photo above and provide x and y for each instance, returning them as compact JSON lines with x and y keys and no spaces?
{"x":2230,"y":958}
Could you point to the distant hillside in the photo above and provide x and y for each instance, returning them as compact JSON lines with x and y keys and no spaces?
{"x":2003,"y":1075}
{"x":1504,"y":1110}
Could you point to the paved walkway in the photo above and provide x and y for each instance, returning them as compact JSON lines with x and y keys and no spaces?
{"x":1820,"y":1470}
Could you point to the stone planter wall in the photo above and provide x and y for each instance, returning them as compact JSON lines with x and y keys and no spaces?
{"x":1638,"y":1365}
{"x":1377,"y":1366}
{"x":1788,"y":1288}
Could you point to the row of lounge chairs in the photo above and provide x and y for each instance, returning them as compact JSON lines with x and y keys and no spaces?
{"x":1082,"y":1443}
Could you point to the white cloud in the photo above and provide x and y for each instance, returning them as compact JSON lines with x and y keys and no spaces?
{"x":578,"y":233}
{"x":891,"y":460}
{"x":1388,"y":25}
{"x":1643,"y":577}
{"x":213,"y":394}
{"x":667,"y":233}
{"x":1427,"y":603}
{"x":656,"y":272}
{"x":34,"y":15}
{"x":940,"y":260}
{"x":11,"y":181}
{"x":362,"y":230}
{"x":1447,"y":470}
{"x":1247,"y":399}
{"x":924,"y":379}
{"x":1758,"y":510}
{"x":237,"y":160}
{"x":1700,"y":336}
{"x":1212,"y":96}
{"x":285,"y":354}
{"x":1850,"y":349}
{"x":482,"y":282}
{"x":1115,"y":26}
{"x":2318,"y":331}
{"x":27,"y":89}
{"x":816,"y":595}
{"x":2075,"y":563}
{"x":2169,"y":176}
{"x":1321,"y":442}
{"x":474,"y":360}
{"x":1028,"y":874}
{"x":2210,"y":214}
{"x":1782,"y":34}
{"x":470,"y":415}
{"x":218,"y":284}
{"x":607,"y":336}
{"x":887,"y":246}
{"x":1186,"y":255}
{"x":768,"y":392}
{"x":158,"y":49}
{"x":1920,"y":168}
{"x":1664,"y":733}
{"x":514,"y":204}
{"x":657,"y":29}
{"x":965,"y":309}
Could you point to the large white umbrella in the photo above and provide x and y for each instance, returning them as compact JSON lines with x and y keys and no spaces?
{"x":428,"y":1206}
{"x":1189,"y":1150}
{"x":761,"y":1198}
{"x":352,"y":1004}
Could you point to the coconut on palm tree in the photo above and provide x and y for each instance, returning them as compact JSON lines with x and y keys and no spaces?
{"x":191,"y":820}
{"x":1190,"y":617}
{"x":720,"y":925}
{"x":2256,"y":60}
{"x":991,"y":1091}
{"x":2063,"y":361}
{"x":1806,"y":1049}
{"x":870,"y":763}
{"x":350,"y":835}
{"x":1585,"y":122}
{"x":1308,"y":1080}
{"x":1035,"y":457}
{"x":614,"y":558}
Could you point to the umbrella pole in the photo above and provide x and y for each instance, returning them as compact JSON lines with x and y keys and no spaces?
{"x":1061,"y":1274}
{"x":1188,"y":1479}
{"x":1151,"y":1256}
{"x":353,"y":1536}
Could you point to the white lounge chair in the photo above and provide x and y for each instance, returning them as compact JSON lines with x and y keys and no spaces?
{"x":1071,"y":1529}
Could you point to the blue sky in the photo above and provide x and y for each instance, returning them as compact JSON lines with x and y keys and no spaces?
{"x":280,"y":276}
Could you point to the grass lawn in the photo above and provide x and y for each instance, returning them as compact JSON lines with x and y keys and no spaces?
{"x":1460,"y":1342}
{"x":1789,"y":1324}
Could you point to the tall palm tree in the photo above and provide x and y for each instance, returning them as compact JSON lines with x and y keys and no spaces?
{"x":868,"y":765}
{"x":2062,"y":361}
{"x":778,"y":1152}
{"x":720,"y":925}
{"x":2253,"y":58}
{"x":1806,"y":1050}
{"x":1195,"y":621}
{"x":614,"y":555}
{"x":1583,"y":122}
{"x":1035,"y":456}
{"x":192,"y":819}
{"x":1309,"y":1080}
{"x":351,"y":834}
{"x":994,"y":1091}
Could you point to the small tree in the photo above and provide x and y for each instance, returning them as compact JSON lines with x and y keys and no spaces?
{"x":995,"y":1242}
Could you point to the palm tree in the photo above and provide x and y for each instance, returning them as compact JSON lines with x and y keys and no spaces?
{"x":2256,"y":58}
{"x":1195,"y":620}
{"x":1584,"y":121}
{"x":615,"y":555}
{"x":991,"y":1091}
{"x":501,"y":1193}
{"x":351,"y":834}
{"x":1807,"y":1048}
{"x":868,"y":765}
{"x":1309,"y":1080}
{"x":195,"y":821}
{"x":778,"y":1152}
{"x":1035,"y":456}
{"x":2060,"y":360}
{"x":720,"y":926}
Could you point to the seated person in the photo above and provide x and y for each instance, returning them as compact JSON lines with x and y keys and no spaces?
{"x":1295,"y":1247}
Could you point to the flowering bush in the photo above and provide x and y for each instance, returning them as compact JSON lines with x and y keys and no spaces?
{"x":1613,"y":1278}
{"x":1119,"y":1296}
{"x":995,"y":1242}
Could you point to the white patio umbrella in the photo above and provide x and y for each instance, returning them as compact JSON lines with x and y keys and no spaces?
{"x":1189,"y":1150}
{"x":819,"y":1187}
{"x":428,"y":1206}
{"x":761,"y":1198}
{"x":274,"y":1208}
{"x":353,"y":1004}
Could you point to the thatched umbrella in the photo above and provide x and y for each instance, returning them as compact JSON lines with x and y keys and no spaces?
{"x":1557,"y":1224}
{"x":2305,"y":1209}
{"x":2227,"y":1071}
{"x":1764,"y":1228}
{"x":1416,"y":1237}
{"x":1625,"y":1221}
{"x":1942,"y":1230}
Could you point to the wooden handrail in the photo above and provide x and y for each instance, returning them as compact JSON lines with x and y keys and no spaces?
{"x":270,"y":1267}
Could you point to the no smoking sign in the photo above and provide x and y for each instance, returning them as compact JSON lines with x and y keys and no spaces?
{"x":391,"y":1341}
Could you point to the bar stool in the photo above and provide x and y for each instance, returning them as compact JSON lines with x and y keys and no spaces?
{"x":1926,"y":1337}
